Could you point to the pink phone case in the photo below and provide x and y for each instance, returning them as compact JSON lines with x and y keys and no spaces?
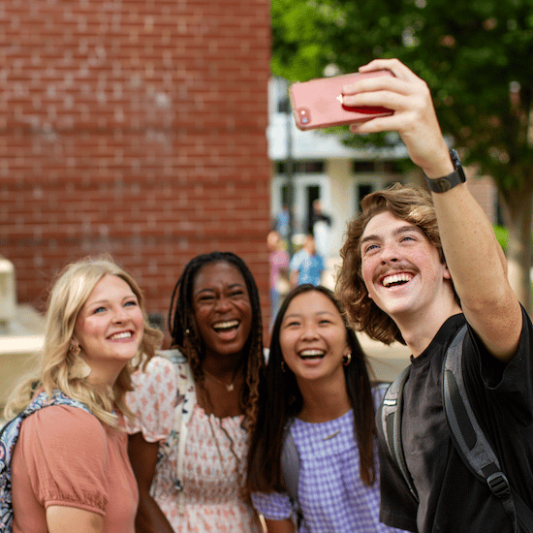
{"x":318,"y":103}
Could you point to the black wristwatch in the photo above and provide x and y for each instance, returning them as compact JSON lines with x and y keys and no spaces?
{"x":448,"y":182}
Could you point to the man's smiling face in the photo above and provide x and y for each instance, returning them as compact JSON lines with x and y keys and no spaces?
{"x":400,"y":266}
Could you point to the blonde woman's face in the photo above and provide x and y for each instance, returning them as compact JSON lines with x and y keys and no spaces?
{"x":109,"y":327}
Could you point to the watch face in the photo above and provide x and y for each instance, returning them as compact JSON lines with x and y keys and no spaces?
{"x":448,"y":182}
{"x":439,"y":185}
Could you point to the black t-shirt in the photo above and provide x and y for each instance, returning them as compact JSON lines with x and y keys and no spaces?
{"x":451,"y":498}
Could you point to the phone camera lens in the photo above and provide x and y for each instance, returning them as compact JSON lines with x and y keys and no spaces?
{"x":304,"y":118}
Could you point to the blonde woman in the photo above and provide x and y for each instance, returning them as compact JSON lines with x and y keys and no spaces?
{"x":70,"y":470}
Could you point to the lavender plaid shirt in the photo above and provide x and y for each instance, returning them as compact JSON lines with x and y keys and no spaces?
{"x":333,"y":499}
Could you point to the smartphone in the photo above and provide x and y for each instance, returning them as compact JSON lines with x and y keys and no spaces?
{"x":318,"y":103}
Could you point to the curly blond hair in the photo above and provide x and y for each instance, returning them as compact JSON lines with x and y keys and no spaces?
{"x":58,"y":367}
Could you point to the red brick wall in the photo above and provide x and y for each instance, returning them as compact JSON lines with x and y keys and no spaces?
{"x":134,"y":127}
{"x":484,"y":191}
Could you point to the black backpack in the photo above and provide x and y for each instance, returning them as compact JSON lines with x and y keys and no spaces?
{"x":467,"y":435}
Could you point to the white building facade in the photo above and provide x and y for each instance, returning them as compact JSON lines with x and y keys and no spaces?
{"x":339,"y":176}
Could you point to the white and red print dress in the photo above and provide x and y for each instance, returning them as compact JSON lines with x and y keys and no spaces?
{"x":200,"y":471}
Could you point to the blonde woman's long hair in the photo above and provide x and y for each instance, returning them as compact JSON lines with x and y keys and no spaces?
{"x":61,"y":369}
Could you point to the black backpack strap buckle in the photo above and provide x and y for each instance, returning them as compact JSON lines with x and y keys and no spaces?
{"x":499,"y":485}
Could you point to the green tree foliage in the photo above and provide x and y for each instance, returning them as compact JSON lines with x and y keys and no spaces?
{"x":477,"y":58}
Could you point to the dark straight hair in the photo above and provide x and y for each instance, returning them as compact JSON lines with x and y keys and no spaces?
{"x":281,"y":401}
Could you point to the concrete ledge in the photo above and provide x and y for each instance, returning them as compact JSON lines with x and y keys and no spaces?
{"x":21,"y":339}
{"x":20,"y":345}
{"x":386,"y":361}
{"x":7,"y":289}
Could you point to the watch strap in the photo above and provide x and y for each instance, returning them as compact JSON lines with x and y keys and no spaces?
{"x":440,"y":185}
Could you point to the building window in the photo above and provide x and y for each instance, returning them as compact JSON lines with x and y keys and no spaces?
{"x":361,"y":190}
{"x":363,"y":167}
{"x":302,"y":167}
{"x":393,"y":167}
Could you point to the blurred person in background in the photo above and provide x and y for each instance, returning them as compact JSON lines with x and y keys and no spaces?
{"x":319,"y":226}
{"x":306,"y":266}
{"x":279,"y":271}
{"x":282,"y":223}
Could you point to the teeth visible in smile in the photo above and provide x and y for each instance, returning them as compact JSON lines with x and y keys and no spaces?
{"x":226,"y":325}
{"x":312,"y":353}
{"x":403,"y":277}
{"x":123,"y":335}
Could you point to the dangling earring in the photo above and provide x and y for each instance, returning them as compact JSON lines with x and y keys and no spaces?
{"x":79,"y":369}
{"x":74,"y":349}
{"x":283,"y":369}
{"x":347,"y":359}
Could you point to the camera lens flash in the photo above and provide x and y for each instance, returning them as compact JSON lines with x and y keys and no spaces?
{"x":303,"y":118}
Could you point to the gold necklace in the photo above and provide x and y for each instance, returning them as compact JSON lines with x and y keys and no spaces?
{"x":230,"y":387}
{"x":334,"y":434}
{"x":318,"y":432}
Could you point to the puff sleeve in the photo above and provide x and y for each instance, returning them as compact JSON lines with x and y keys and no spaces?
{"x":153,"y":400}
{"x":272,"y":505}
{"x":65,"y":453}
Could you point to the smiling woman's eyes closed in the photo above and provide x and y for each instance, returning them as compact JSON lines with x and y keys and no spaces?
{"x":206,"y":298}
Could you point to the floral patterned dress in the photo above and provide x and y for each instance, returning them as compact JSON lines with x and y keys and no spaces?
{"x":209,"y":494}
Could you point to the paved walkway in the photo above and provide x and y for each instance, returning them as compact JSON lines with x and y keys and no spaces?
{"x":386,"y":361}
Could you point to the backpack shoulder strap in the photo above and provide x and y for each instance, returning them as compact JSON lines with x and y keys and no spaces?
{"x":185,"y":401}
{"x":290,"y":464}
{"x":378,"y":392}
{"x":9,"y":435}
{"x":290,"y":468}
{"x":10,"y":431}
{"x":390,"y":419}
{"x":468,"y":437}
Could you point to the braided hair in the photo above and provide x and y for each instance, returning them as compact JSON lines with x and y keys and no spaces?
{"x":184,"y":332}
